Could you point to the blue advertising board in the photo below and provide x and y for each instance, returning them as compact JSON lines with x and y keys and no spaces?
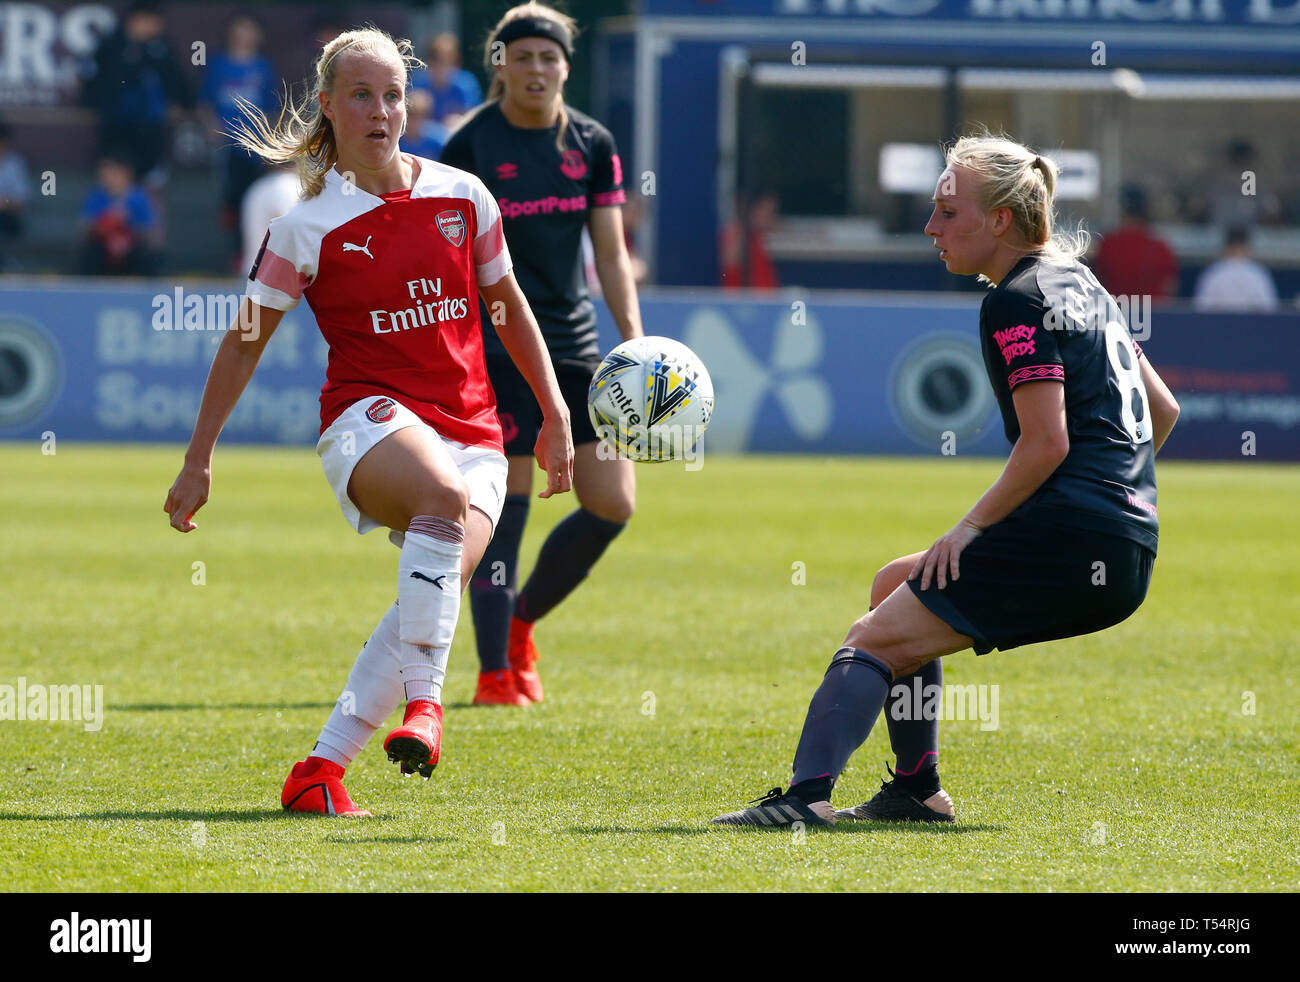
{"x":825,"y":373}
{"x":1211,"y":13}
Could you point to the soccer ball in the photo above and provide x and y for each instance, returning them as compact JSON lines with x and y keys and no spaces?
{"x":650,"y":399}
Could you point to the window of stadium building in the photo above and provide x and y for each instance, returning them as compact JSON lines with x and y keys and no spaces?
{"x":1202,"y":164}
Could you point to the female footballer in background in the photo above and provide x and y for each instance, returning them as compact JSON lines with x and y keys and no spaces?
{"x":392,"y":253}
{"x":1086,"y":414}
{"x":552,"y":170}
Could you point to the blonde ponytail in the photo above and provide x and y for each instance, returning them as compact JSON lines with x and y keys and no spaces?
{"x":1013,"y":176}
{"x":302,"y":134}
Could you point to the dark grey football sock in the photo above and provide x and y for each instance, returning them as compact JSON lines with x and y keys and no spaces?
{"x":567,"y":556}
{"x":915,"y":738}
{"x":492,"y":588}
{"x":841,"y":714}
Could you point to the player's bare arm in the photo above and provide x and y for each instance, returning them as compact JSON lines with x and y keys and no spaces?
{"x":614,"y":269}
{"x":1044,"y":442}
{"x":522,"y":338}
{"x":1163,"y":405}
{"x":236,"y":359}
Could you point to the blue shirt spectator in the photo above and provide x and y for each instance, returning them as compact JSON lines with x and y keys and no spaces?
{"x":135,"y":206}
{"x":252,"y":79}
{"x":459,"y":95}
{"x":135,"y":79}
{"x":120,"y":222}
{"x":424,"y":137}
{"x":454,"y":90}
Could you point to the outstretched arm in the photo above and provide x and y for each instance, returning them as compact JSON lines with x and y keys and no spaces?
{"x":233,"y":366}
{"x":614,"y":269}
{"x":515,"y":324}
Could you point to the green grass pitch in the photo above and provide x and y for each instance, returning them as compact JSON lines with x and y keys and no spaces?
{"x":1159,"y":755}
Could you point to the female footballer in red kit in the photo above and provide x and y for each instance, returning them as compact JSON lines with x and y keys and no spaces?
{"x":392,"y":253}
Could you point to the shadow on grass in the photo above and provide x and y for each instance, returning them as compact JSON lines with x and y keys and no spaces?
{"x":924,"y":828}
{"x":854,"y":828}
{"x":401,"y":840}
{"x":175,"y":815}
{"x":618,"y":830}
{"x":470,"y":705}
{"x":170,"y":707}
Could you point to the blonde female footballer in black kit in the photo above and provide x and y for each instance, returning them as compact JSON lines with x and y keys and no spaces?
{"x":1085,"y":412}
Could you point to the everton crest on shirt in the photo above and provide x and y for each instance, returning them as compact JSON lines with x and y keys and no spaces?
{"x":545,"y":196}
{"x":393,"y":282}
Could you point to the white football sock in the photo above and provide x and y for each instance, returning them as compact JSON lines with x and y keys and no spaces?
{"x":428,"y":593}
{"x":373,"y":691}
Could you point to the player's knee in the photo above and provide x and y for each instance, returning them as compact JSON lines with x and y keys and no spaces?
{"x":882,"y":586}
{"x":617,"y":510}
{"x":867,"y":635}
{"x":609,"y":502}
{"x":448,"y":500}
{"x":889,"y":578}
{"x":858,"y":632}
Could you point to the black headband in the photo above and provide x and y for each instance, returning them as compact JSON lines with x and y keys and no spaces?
{"x":536,"y":27}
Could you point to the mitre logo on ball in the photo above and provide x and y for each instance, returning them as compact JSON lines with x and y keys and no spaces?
{"x":651,"y":400}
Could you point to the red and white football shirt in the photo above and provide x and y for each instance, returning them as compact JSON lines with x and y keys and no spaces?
{"x":393,"y":282}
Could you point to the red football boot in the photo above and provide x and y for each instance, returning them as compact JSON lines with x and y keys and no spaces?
{"x":522,"y":652}
{"x":417,"y":743}
{"x":499,"y":689}
{"x":315,"y":785}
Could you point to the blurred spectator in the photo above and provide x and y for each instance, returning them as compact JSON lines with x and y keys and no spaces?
{"x":136,"y":81}
{"x":325,"y":30}
{"x":745,"y":259}
{"x":1132,"y":261}
{"x":119,"y":220}
{"x":239,"y":72}
{"x":1230,"y":206}
{"x":15,"y":189}
{"x":1235,"y":281}
{"x":455,"y":91}
{"x":424,"y":136}
{"x":267,"y":198}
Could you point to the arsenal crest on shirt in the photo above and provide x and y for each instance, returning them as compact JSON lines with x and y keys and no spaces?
{"x":452,"y":226}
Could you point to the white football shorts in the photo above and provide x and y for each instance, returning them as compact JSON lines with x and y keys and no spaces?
{"x":367,"y":421}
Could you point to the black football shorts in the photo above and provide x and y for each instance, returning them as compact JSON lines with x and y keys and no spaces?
{"x":1026,"y":580}
{"x":521,"y":416}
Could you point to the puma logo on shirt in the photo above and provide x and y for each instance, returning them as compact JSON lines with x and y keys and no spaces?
{"x":350,"y":247}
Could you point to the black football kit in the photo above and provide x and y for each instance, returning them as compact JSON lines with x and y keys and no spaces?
{"x":1077,"y":555}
